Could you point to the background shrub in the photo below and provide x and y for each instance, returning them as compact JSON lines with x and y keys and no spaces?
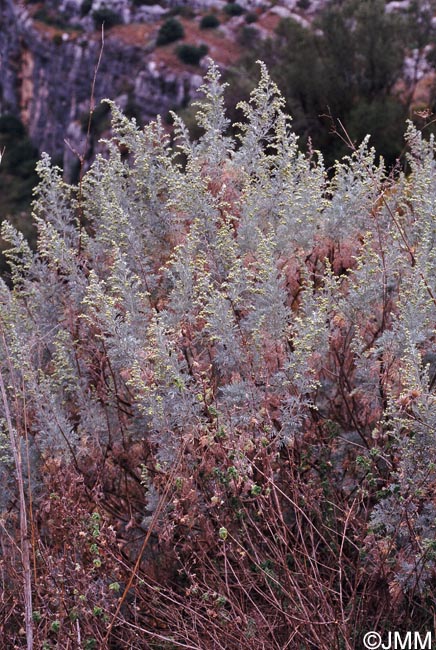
{"x":11,"y":126}
{"x":17,"y":179}
{"x":191,"y":54}
{"x":20,"y":159}
{"x":250,"y":18}
{"x":209,"y":21}
{"x":20,"y":155}
{"x":233,"y":9}
{"x":171,"y":30}
{"x":106,"y":16}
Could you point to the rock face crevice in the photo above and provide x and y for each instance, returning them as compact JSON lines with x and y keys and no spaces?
{"x":46,"y":80}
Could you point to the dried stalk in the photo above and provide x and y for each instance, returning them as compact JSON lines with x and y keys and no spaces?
{"x":24,"y":535}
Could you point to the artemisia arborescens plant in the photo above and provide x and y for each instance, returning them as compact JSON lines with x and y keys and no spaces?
{"x":222,"y":380}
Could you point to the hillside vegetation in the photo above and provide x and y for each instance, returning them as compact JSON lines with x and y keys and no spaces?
{"x":217,"y":393}
{"x":366,"y":66}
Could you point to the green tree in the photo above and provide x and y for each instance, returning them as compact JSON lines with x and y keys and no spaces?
{"x":367,"y":43}
{"x":344,"y":69}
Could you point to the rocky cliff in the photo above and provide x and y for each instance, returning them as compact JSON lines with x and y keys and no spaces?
{"x":47,"y":74}
{"x":49,"y":53}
